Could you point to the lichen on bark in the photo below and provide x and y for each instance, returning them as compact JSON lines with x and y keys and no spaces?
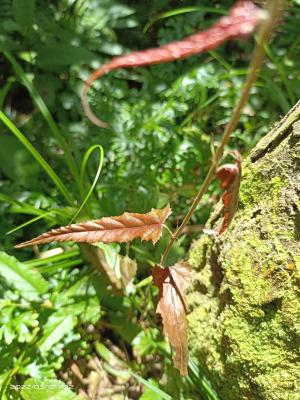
{"x":245,"y":301}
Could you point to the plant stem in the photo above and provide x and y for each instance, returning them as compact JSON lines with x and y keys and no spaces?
{"x":274,"y":10}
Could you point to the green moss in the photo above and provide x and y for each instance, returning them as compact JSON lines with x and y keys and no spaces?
{"x":255,"y":188}
{"x":245,"y":305}
{"x":249,"y":340}
{"x":297,"y":263}
{"x":197,"y":254}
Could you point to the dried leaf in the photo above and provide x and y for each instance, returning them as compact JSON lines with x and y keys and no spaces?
{"x":241,"y":21}
{"x":230,"y":177}
{"x":117,"y":271}
{"x":128,"y":268}
{"x":172,"y":283}
{"x":120,"y":270}
{"x":123,"y":228}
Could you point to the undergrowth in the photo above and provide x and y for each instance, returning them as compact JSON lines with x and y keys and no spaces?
{"x":163,"y":123}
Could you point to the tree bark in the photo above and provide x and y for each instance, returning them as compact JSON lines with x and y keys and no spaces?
{"x":245,"y":301}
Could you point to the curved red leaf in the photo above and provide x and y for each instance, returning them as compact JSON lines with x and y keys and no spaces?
{"x":241,"y":21}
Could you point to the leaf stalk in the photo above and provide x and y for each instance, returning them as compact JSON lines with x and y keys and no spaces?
{"x":274,"y":10}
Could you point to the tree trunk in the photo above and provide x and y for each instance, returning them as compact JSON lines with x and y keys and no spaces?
{"x":245,"y":301}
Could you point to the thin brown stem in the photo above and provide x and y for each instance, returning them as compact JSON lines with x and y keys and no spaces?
{"x":274,"y":10}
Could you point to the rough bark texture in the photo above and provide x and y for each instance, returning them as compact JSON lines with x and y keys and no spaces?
{"x":245,"y":302}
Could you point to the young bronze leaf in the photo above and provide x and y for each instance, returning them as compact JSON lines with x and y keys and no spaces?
{"x":172,"y":283}
{"x":242,"y":19}
{"x":230,"y":179}
{"x":123,"y":228}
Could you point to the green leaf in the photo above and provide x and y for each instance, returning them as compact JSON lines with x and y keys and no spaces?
{"x":150,"y":394}
{"x":148,"y":342}
{"x":55,"y":329}
{"x":125,"y":327}
{"x":17,"y":325}
{"x":48,"y":389}
{"x":28,"y":281}
{"x":81,"y":288}
{"x":15,"y":161}
{"x":63,"y":54}
{"x":23,"y":11}
{"x":88,"y":310}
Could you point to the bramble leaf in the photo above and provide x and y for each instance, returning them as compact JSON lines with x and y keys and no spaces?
{"x":25,"y":279}
{"x":172,"y":283}
{"x":58,"y":325}
{"x":123,"y":228}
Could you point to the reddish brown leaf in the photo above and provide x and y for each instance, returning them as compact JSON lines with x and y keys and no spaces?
{"x":241,"y":21}
{"x":230,"y":177}
{"x":123,"y":228}
{"x":172,"y":283}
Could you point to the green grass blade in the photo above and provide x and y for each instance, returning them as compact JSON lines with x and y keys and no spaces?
{"x":221,"y":60}
{"x":109,"y":357}
{"x":4,"y":91}
{"x":182,"y":10}
{"x":31,"y":221}
{"x":200,"y":382}
{"x":46,"y":114}
{"x":284,"y":78}
{"x":153,"y":388}
{"x":201,"y":107}
{"x":60,"y":265}
{"x":66,"y":255}
{"x":276,"y":93}
{"x":19,"y":135}
{"x":6,"y":379}
{"x":82,"y":175}
{"x":25,"y":208}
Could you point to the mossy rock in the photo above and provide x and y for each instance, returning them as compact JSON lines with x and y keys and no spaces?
{"x":245,"y":302}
